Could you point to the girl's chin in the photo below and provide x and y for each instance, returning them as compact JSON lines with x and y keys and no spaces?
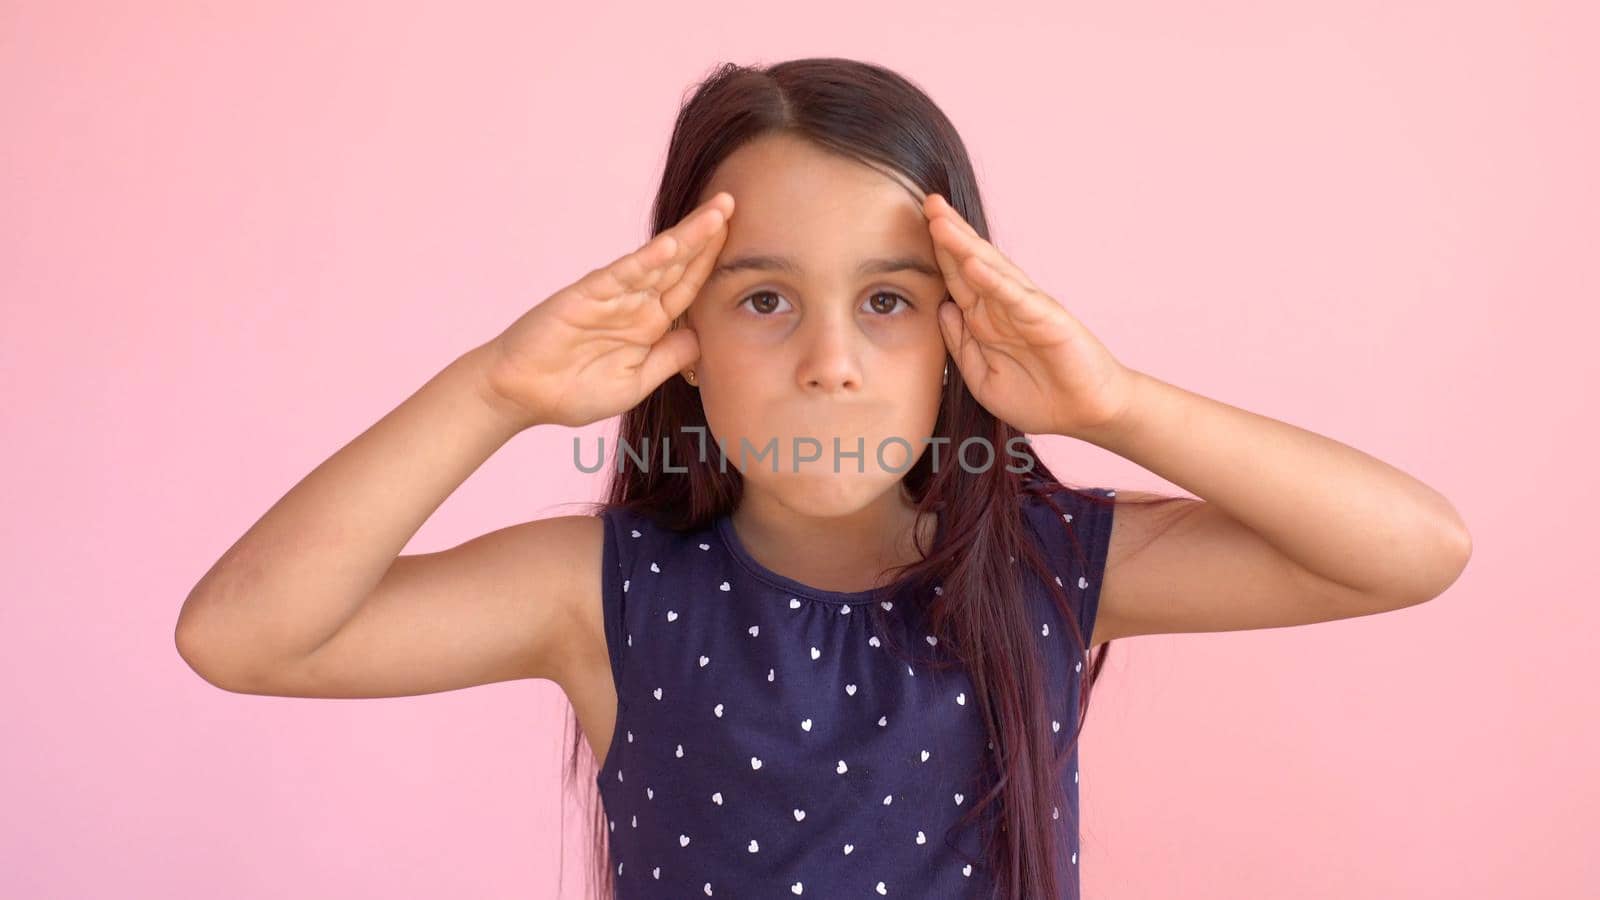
{"x":820,"y":491}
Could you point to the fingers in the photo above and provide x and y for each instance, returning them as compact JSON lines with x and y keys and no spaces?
{"x":629,"y":273}
{"x":683,"y":288}
{"x":961,"y":291}
{"x":662,"y":259}
{"x":964,"y":239}
{"x":958,"y":340}
{"x":1021,"y":306}
{"x":678,"y":349}
{"x":975,"y":270}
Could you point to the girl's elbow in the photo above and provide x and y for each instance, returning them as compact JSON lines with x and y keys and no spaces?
{"x":1442,"y":566}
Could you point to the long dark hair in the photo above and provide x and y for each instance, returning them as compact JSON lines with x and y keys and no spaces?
{"x":875,"y":116}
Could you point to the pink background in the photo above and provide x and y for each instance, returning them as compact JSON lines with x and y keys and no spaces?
{"x":234,"y":235}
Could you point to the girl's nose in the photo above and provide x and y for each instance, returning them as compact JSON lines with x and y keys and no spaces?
{"x":832,"y":358}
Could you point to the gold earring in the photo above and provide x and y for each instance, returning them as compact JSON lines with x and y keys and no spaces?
{"x":690,"y":376}
{"x":946,"y":372}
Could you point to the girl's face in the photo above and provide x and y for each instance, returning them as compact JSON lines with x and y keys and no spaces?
{"x":819,"y":322}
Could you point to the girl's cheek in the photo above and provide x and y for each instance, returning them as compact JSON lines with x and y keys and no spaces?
{"x":757,"y":334}
{"x":914,"y":331}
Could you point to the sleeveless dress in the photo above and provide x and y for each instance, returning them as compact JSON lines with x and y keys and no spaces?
{"x":766,"y":744}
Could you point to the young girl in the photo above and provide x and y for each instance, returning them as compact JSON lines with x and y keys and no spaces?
{"x":829,"y":634}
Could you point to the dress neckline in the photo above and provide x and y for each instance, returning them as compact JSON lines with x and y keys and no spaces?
{"x":730,"y":540}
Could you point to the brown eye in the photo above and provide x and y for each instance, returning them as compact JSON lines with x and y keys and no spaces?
{"x":891,"y":310}
{"x":884,"y":303}
{"x":761,"y":308}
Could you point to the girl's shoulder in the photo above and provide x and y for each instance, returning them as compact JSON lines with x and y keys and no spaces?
{"x":1078,"y":515}
{"x":1072,"y":526}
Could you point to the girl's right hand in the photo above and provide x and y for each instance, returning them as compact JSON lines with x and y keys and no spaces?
{"x":597,"y":347}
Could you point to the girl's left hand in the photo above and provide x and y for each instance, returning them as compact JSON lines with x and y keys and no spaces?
{"x":1023,"y":356}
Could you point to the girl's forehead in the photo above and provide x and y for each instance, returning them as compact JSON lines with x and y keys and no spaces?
{"x":778,"y":175}
{"x":845,"y":223}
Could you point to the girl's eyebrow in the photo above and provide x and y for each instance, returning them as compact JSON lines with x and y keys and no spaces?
{"x":767,"y":262}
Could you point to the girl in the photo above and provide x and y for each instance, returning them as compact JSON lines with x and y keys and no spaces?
{"x":860,"y":668}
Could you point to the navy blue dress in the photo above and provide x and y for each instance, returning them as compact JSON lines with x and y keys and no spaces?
{"x":766,"y":744}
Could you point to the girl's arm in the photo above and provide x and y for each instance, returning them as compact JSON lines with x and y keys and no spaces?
{"x":1289,"y":528}
{"x":1292,"y":527}
{"x":313,"y":601}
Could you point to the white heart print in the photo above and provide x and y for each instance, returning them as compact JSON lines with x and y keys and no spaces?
{"x":672,"y":615}
{"x":654,"y":567}
{"x":850,"y":689}
{"x":805,"y":724}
